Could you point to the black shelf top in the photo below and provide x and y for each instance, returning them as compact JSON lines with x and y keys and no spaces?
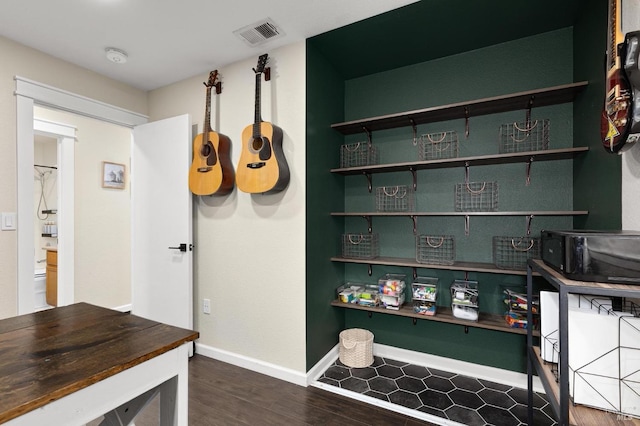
{"x":512,"y":102}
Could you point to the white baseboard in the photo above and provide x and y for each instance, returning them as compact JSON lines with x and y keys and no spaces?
{"x":321,"y":366}
{"x":492,"y":374}
{"x":281,"y":373}
{"x":386,"y":405}
{"x":123,"y":308}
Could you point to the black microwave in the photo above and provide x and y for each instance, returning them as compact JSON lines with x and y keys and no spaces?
{"x":603,"y":256}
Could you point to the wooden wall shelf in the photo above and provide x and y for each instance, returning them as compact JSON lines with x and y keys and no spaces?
{"x":411,"y":263}
{"x":443,"y":314}
{"x":478,"y":160}
{"x":516,"y":101}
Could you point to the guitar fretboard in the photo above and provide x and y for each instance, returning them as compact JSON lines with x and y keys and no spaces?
{"x":257,"y":116}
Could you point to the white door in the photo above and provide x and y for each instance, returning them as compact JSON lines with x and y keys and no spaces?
{"x":161,"y":276}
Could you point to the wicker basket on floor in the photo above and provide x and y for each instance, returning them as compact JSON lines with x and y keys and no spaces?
{"x":356,"y":348}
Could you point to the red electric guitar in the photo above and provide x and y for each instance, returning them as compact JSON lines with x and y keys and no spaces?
{"x":211,"y":171}
{"x":620,"y":124}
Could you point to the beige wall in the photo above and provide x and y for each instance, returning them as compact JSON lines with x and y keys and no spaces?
{"x":19,"y":60}
{"x":102,"y":261}
{"x":250,"y":251}
{"x":249,"y":257}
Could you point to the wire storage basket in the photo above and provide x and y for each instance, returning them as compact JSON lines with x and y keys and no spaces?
{"x":526,"y":136}
{"x":356,"y":348}
{"x":433,"y":146}
{"x":360,"y":246}
{"x":476,"y":197}
{"x":435,"y":249}
{"x":358,"y":154}
{"x":513,"y":252}
{"x":399,"y":198}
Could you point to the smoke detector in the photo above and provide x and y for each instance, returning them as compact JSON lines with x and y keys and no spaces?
{"x":116,"y":55}
{"x":259,"y":32}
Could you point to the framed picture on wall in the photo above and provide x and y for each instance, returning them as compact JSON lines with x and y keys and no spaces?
{"x":113,"y":175}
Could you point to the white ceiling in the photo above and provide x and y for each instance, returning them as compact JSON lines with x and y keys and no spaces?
{"x":169,"y":40}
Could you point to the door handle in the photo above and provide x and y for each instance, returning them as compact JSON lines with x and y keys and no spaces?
{"x":182,"y":247}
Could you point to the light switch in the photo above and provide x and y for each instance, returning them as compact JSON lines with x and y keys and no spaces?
{"x":9,"y":221}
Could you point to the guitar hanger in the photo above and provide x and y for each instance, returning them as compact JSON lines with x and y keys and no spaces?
{"x":217,"y":85}
{"x":266,"y":72}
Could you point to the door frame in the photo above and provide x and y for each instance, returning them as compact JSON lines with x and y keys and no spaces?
{"x":28,"y":94}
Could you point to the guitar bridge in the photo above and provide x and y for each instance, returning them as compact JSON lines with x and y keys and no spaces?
{"x":204,"y":169}
{"x":256,"y":165}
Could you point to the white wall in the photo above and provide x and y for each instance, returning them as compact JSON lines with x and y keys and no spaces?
{"x":631,"y":188}
{"x":250,"y":250}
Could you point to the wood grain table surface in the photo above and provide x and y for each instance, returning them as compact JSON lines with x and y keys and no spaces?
{"x":50,"y":354}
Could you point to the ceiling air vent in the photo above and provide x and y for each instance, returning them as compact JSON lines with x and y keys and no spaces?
{"x":259,"y":32}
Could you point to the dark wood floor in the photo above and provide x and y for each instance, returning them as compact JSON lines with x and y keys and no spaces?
{"x":221,"y":394}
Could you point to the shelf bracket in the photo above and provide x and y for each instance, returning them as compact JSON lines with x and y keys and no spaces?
{"x":415,"y":321}
{"x":466,"y":172}
{"x":369,"y":181}
{"x":528,"y":180}
{"x":370,"y":314}
{"x":414,"y":175}
{"x":415,"y":272}
{"x":528,"y":113}
{"x":529,"y":219}
{"x":467,"y":225}
{"x":466,"y":122}
{"x":415,"y":224}
{"x":368,"y":136}
{"x":466,"y":329}
{"x":369,"y":223}
{"x":415,"y":132}
{"x":370,"y":270}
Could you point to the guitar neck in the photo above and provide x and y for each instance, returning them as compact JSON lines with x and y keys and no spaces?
{"x":615,"y":35}
{"x":257,"y":116}
{"x":207,"y":113}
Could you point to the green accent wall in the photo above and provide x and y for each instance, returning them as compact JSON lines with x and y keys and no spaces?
{"x":597,"y":175}
{"x":325,"y":193}
{"x":339,"y":90}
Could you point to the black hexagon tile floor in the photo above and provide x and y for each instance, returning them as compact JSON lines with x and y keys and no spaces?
{"x":446,"y":395}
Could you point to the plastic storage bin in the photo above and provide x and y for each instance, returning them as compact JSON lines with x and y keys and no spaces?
{"x":464,"y":300}
{"x":391,"y":289}
{"x":425,"y":291}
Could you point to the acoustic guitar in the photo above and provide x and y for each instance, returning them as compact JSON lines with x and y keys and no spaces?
{"x":262,"y":167}
{"x":620,"y":123}
{"x":211,"y":171}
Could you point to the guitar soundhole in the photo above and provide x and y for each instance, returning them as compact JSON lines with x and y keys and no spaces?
{"x":209,"y":153}
{"x":257,"y":144}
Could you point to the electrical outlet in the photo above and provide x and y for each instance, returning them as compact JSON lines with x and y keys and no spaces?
{"x":206,"y":306}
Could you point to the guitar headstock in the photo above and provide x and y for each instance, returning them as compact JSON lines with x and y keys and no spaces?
{"x":213,"y":76}
{"x":262,"y":62}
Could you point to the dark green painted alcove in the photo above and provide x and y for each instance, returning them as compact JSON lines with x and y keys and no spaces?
{"x":432,"y":53}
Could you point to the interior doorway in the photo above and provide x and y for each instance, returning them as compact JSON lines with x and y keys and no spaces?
{"x":28,"y":95}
